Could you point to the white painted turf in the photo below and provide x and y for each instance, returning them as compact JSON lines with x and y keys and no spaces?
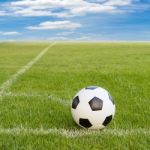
{"x":7,"y":84}
{"x":72,"y":133}
{"x":44,"y":96}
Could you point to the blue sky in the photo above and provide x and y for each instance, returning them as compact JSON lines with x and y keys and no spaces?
{"x":87,"y":20}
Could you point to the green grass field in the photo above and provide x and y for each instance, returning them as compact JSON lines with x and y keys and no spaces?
{"x":35,"y":104}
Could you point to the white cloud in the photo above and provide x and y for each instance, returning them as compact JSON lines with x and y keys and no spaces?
{"x":59,"y":38}
{"x":118,"y":2}
{"x":94,"y":9}
{"x":64,"y":38}
{"x":56,"y":25}
{"x":29,"y":12}
{"x":67,"y":8}
{"x":66,"y":33}
{"x":83,"y":38}
{"x":9,"y":33}
{"x":2,"y":13}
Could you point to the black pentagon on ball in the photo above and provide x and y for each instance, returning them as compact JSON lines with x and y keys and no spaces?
{"x":85,"y":123}
{"x":75,"y":102}
{"x":110,"y":97}
{"x":96,"y":104}
{"x":107,"y":120}
{"x":91,"y":87}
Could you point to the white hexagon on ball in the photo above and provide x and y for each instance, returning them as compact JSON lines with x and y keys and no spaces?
{"x":93,"y":108}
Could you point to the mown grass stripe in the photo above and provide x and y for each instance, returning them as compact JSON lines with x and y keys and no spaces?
{"x":74,"y":133}
{"x":6,"y":85}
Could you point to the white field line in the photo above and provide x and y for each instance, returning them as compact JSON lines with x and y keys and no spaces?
{"x":42,"y":96}
{"x":72,"y":133}
{"x":7,"y":84}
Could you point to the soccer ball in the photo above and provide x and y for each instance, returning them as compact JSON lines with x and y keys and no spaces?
{"x":93,"y":108}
